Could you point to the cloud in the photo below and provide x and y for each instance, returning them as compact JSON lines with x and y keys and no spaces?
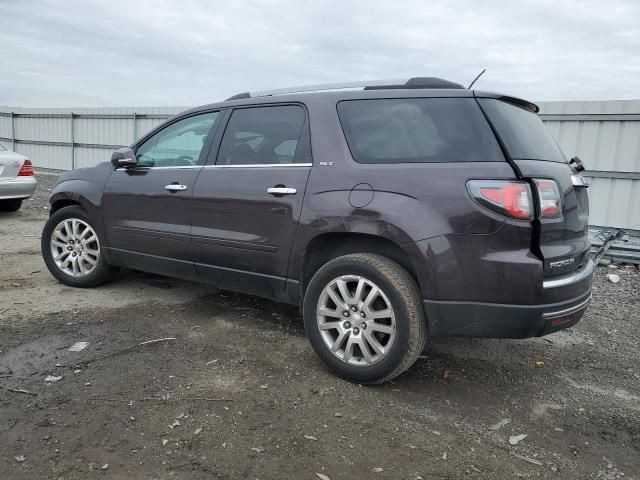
{"x":189,"y":52}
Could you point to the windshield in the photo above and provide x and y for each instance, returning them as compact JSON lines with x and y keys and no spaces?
{"x":522,"y":131}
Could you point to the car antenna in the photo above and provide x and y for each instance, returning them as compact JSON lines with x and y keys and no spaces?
{"x":476,"y":79}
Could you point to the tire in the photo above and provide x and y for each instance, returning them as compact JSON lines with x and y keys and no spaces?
{"x":10,"y":205}
{"x":86,"y":249}
{"x":406,"y":324}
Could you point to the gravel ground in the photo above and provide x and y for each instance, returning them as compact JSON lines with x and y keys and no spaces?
{"x":234,"y":391}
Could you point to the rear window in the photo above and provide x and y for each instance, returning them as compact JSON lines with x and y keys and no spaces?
{"x":410,"y":130}
{"x":522,"y":131}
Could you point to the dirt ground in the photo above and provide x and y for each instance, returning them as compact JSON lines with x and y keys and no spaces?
{"x":237,"y":393}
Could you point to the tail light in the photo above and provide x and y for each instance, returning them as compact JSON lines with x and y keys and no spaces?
{"x":26,"y":170}
{"x":507,"y":198}
{"x":549,"y":198}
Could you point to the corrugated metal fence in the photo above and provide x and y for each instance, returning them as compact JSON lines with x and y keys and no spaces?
{"x":604,"y":134}
{"x":63,"y":139}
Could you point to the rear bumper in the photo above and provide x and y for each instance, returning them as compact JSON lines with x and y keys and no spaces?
{"x":19,"y":187}
{"x":496,"y":320}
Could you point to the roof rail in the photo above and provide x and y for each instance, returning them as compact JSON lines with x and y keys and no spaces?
{"x":415,"y":82}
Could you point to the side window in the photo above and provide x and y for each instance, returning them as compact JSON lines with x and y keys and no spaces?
{"x":177,"y":145}
{"x":265,"y":135}
{"x":410,"y":130}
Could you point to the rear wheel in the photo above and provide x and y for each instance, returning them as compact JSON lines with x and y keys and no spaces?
{"x":72,"y":249}
{"x":10,"y":205}
{"x":364,"y":318}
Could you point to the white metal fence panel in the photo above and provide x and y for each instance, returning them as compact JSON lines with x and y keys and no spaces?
{"x":57,"y":157}
{"x":604,"y":134}
{"x":63,"y":139}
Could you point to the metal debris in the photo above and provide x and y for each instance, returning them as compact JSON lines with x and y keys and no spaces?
{"x":500,"y":424}
{"x":157,"y":340}
{"x":516,"y":439}
{"x":528,"y":459}
{"x":78,"y":346}
{"x":20,"y":390}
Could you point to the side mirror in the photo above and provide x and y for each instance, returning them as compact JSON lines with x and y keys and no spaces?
{"x":123,"y":157}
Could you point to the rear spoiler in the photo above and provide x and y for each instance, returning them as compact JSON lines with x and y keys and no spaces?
{"x":519,"y":102}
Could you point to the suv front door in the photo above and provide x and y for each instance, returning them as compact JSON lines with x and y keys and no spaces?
{"x":248,"y":199}
{"x":147,"y":208}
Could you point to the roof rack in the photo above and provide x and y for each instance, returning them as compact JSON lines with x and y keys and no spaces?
{"x":415,"y":82}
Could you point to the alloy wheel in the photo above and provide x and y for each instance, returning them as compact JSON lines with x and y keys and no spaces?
{"x":356,"y":320}
{"x":75,"y":248}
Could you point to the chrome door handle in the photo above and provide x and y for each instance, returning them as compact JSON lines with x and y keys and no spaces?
{"x":281,"y":191}
{"x":174,"y":187}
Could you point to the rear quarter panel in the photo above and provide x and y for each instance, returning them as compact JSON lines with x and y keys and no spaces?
{"x":407,"y":202}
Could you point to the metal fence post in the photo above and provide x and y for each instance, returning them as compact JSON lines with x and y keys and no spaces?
{"x":73,"y":142}
{"x":13,"y":131}
{"x":135,"y":127}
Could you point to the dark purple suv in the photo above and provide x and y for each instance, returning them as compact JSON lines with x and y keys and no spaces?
{"x":389,"y":212}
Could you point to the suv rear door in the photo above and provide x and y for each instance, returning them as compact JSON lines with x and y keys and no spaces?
{"x":562,"y":239}
{"x":248,"y":198}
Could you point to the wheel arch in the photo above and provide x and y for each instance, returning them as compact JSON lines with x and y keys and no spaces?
{"x":63,"y":202}
{"x":326,"y":246}
{"x":72,"y":198}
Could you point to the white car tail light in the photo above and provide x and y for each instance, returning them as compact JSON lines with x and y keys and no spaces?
{"x":550,"y":202}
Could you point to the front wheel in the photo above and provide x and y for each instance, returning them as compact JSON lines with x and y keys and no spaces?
{"x":364,"y":318}
{"x":72,"y":251}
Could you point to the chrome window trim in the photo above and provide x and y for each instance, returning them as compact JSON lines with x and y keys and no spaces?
{"x":188,"y":167}
{"x":262,"y":165}
{"x":177,"y":167}
{"x":574,"y":277}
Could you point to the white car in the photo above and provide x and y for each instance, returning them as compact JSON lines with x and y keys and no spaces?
{"x":16,"y":179}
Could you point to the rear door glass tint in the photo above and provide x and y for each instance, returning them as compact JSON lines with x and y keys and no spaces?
{"x":522,"y":132}
{"x":265,"y":135}
{"x":410,"y":130}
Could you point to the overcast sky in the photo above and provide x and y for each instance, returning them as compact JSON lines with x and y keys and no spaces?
{"x":189,"y":52}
